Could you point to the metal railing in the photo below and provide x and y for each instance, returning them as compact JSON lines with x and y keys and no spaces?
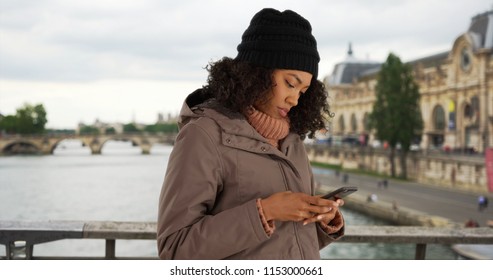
{"x":20,"y":237}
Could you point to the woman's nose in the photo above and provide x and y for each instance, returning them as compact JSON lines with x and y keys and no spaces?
{"x":292,"y":100}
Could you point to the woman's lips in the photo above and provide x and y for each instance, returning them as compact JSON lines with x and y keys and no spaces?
{"x":283,"y":112}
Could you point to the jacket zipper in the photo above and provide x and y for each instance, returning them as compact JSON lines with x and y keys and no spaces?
{"x":296,"y":235}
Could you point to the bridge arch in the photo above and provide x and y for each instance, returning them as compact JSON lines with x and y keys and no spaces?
{"x":21,"y":147}
{"x":97,"y":143}
{"x":55,"y":144}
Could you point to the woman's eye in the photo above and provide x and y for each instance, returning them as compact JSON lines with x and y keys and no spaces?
{"x":289,"y":85}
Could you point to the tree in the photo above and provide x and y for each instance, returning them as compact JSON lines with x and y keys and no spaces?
{"x":396,"y":115}
{"x":130,"y":127}
{"x":162,"y":127}
{"x":110,"y":131}
{"x":27,"y":120}
{"x":31,"y":119}
{"x":88,"y":129}
{"x":8,"y":124}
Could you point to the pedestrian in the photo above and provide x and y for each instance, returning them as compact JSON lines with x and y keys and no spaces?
{"x":482,"y":202}
{"x":452,"y":176}
{"x":345,"y":178}
{"x":385,"y":183}
{"x":238,"y":183}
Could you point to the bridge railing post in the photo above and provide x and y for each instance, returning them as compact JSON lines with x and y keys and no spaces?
{"x":420,"y":251}
{"x":110,"y":249}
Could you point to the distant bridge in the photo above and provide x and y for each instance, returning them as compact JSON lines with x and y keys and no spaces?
{"x":46,"y":144}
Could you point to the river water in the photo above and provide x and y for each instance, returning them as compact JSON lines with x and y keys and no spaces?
{"x":123,"y":185}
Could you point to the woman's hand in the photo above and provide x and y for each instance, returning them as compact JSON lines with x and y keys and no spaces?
{"x":289,"y":206}
{"x":326,"y":218}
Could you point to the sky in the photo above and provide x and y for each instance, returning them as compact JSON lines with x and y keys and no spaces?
{"x":124,"y":61}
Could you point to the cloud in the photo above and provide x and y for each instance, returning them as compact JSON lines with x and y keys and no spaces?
{"x":76,"y":43}
{"x":85,"y":41}
{"x":89,"y":40}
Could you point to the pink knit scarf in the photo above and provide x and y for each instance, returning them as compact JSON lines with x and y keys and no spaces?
{"x":270,"y":128}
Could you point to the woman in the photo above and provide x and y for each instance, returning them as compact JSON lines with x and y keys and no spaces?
{"x":239,"y":184}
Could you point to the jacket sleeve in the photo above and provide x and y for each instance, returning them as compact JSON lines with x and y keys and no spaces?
{"x":193,"y":181}
{"x":325,"y":238}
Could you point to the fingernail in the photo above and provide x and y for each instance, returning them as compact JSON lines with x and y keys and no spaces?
{"x":319,"y":218}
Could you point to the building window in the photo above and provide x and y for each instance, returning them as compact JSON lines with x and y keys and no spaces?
{"x":439,"y":118}
{"x":354,"y":123}
{"x":366,"y":122}
{"x":475,"y":105}
{"x":468,"y":111}
{"x":465,"y":59}
{"x":341,"y":124}
{"x":471,"y":111}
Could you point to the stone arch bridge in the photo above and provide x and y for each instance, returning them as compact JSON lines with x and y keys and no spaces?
{"x":46,"y":144}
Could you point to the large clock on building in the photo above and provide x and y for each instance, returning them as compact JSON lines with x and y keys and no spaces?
{"x":465,"y":59}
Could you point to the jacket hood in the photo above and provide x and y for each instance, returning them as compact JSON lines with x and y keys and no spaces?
{"x":186,"y":113}
{"x":198,"y":104}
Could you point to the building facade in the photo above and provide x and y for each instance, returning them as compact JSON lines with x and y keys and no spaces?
{"x":456,"y":89}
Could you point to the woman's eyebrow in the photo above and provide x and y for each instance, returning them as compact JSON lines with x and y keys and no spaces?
{"x":297,"y":78}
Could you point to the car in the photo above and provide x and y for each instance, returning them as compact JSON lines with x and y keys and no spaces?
{"x":350,"y":141}
{"x":414,"y":147}
{"x":376,"y":144}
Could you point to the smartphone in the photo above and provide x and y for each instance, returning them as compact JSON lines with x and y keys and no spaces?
{"x":340,"y":193}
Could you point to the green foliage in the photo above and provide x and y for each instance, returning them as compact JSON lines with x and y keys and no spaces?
{"x":162,"y":127}
{"x":130,"y":127}
{"x":396,"y":115}
{"x":27,"y":120}
{"x":88,"y":129}
{"x":326,"y":165}
{"x":110,"y":131}
{"x":8,"y":124}
{"x":60,"y":131}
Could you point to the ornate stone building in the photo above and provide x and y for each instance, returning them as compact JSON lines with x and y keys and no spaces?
{"x":456,"y":90}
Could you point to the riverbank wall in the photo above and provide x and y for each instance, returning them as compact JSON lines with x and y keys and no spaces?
{"x":452,"y":171}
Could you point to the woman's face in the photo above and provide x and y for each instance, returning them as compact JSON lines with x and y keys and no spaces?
{"x":288,"y":86}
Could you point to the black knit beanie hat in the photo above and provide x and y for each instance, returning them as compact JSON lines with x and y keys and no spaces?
{"x":280,"y":40}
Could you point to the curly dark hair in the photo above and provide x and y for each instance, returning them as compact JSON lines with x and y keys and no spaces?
{"x":238,"y":85}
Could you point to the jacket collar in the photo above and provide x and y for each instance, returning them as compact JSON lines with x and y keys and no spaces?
{"x":236,"y":131}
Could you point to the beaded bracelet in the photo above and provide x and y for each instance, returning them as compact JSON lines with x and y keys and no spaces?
{"x":269,"y":226}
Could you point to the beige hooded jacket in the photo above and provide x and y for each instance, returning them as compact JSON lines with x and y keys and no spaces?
{"x":218,"y":167}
